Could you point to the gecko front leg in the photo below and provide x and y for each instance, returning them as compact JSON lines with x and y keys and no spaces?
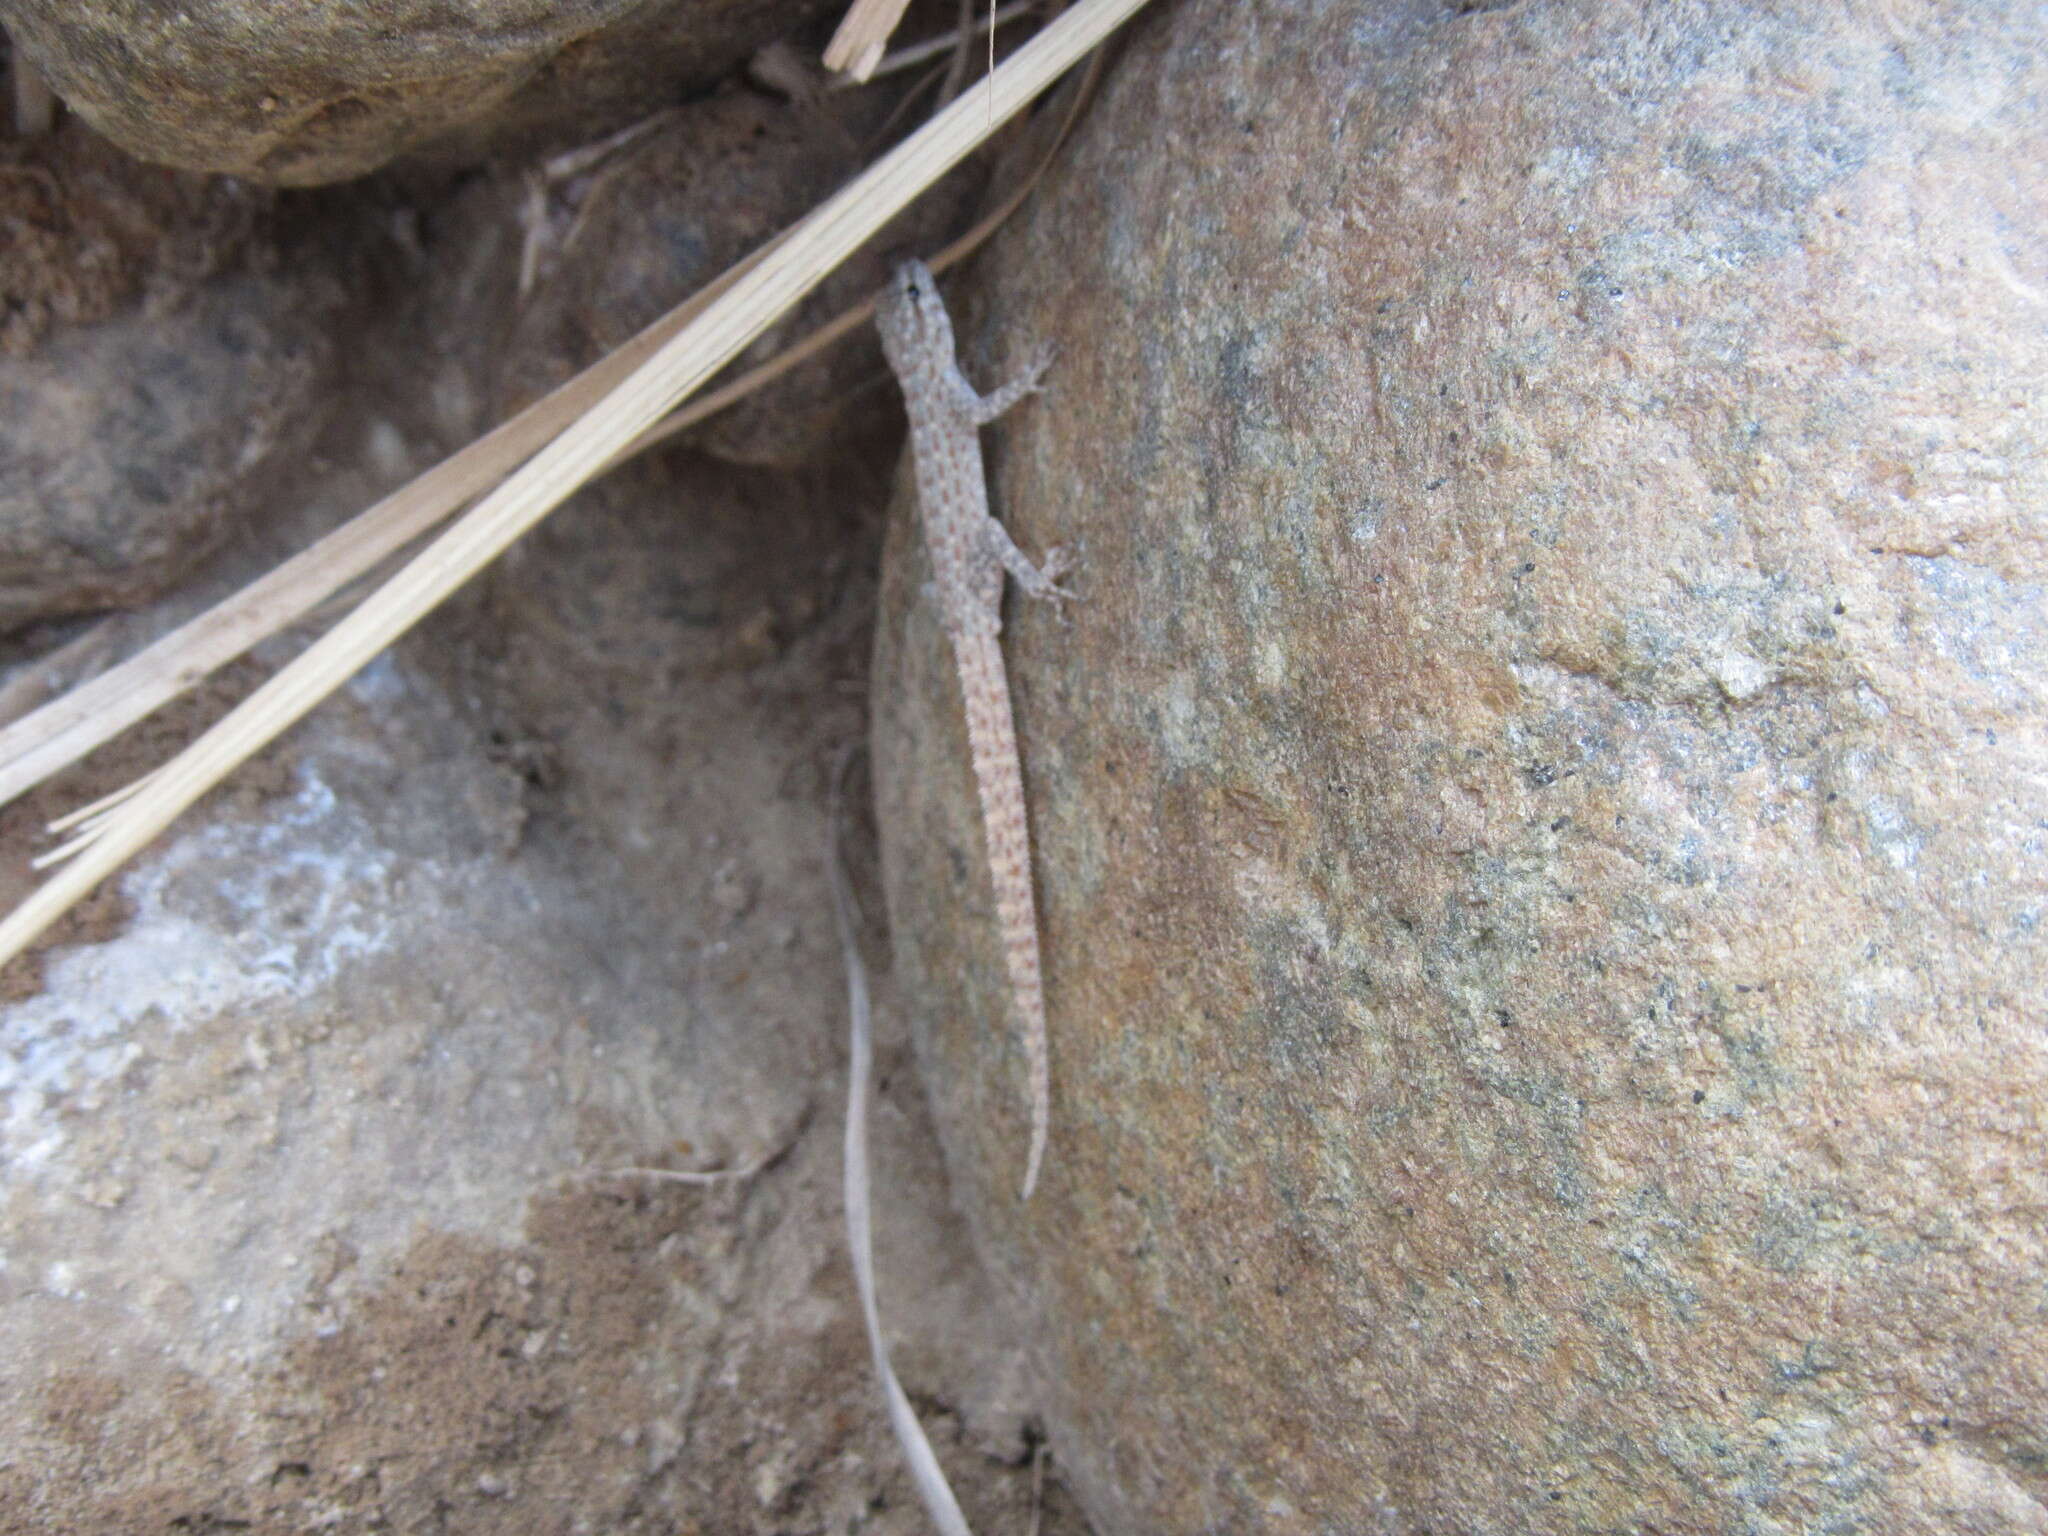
{"x":1041,"y":580}
{"x":982,"y":409}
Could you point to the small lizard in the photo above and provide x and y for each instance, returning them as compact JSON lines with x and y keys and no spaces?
{"x":970,"y":550}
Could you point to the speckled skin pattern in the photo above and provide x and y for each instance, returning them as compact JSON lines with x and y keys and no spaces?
{"x":969,"y":552}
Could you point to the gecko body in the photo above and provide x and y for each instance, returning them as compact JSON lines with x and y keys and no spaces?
{"x":969,"y":552}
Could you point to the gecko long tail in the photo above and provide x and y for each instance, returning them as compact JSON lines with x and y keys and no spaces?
{"x":992,"y":740}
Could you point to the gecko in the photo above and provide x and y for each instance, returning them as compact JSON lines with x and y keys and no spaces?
{"x":969,"y":552}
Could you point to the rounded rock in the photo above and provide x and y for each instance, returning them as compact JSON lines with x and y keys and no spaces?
{"x":304,"y":94}
{"x":1537,"y":803}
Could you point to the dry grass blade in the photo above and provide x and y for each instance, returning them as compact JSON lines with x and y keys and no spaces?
{"x":856,"y":48}
{"x":88,"y":822}
{"x":72,"y":849}
{"x":925,"y":1471}
{"x":98,"y":808}
{"x":845,"y":323}
{"x":33,"y":684}
{"x":59,"y":733}
{"x":910,"y":55}
{"x":783,"y":274}
{"x":64,"y":730}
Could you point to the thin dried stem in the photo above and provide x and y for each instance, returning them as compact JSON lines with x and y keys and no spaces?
{"x":680,"y":1175}
{"x":910,"y":55}
{"x":850,"y":320}
{"x":956,"y":67}
{"x":69,"y":850}
{"x":925,"y":1471}
{"x":99,"y":807}
{"x":64,"y":730}
{"x":856,"y":48}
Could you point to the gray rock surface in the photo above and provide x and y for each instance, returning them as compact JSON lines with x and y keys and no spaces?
{"x":129,"y":449}
{"x":297,"y":95}
{"x":86,"y":231}
{"x":1539,"y":801}
{"x":163,"y":363}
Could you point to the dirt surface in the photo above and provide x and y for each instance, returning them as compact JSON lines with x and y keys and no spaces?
{"x":308,"y":1126}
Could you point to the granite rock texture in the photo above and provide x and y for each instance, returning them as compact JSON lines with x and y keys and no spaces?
{"x":1539,"y":803}
{"x":297,"y":95}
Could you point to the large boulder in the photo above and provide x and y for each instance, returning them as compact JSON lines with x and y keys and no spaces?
{"x":302,"y":94}
{"x":1537,"y":805}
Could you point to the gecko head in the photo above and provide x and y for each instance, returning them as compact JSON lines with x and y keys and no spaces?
{"x":911,"y":316}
